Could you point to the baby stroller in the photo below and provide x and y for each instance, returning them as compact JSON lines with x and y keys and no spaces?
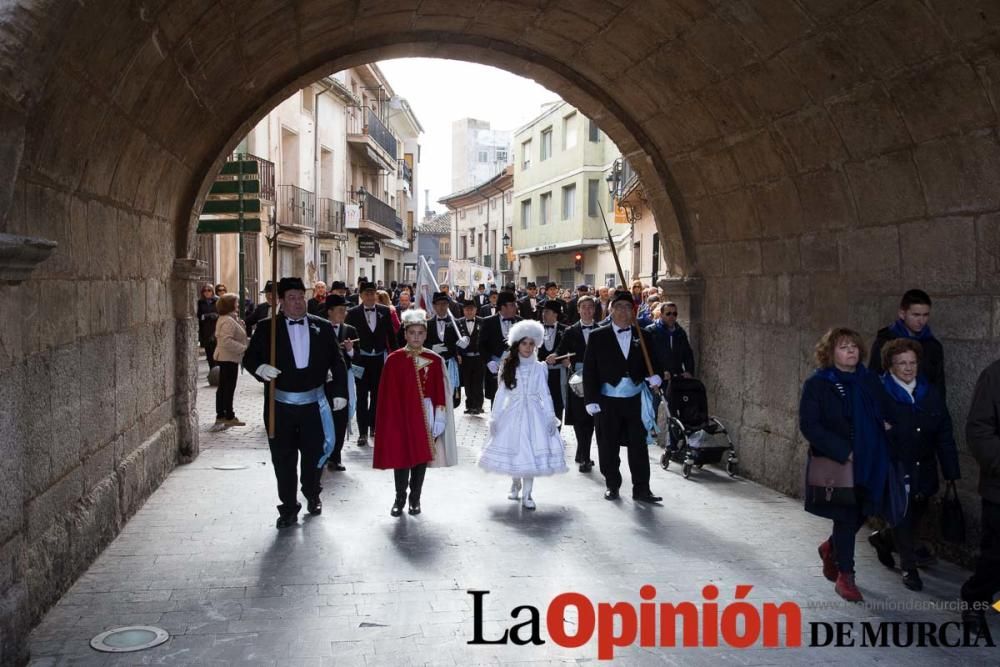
{"x":689,"y":426}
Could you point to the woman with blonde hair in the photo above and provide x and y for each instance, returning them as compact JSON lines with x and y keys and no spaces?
{"x":850,"y":475}
{"x":231,"y":343}
{"x":383,"y":298}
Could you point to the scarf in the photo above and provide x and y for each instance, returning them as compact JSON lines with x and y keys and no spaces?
{"x":871,"y":447}
{"x":900,"y":395}
{"x":899,"y":329}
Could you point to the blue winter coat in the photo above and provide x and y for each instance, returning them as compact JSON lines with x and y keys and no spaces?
{"x":922,"y":437}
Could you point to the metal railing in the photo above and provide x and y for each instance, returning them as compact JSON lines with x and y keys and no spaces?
{"x":266,"y":173}
{"x":331,"y":216}
{"x":372,"y":126}
{"x":406,"y":172}
{"x":296,"y":206}
{"x":379,"y":212}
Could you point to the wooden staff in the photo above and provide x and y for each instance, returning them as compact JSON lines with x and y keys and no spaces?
{"x":621,"y":276}
{"x":273,"y":241}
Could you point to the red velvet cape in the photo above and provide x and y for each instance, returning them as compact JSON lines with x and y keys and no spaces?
{"x":402,"y":434}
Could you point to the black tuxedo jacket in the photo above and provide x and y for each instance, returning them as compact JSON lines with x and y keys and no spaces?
{"x":382,"y":339}
{"x":482,"y":299}
{"x":545,"y":351}
{"x":450,"y":337}
{"x":604,"y":363}
{"x":491,"y":339}
{"x":573,"y":341}
{"x":261,"y":312}
{"x":526,"y":311}
{"x":474,"y":336}
{"x":488,"y":310}
{"x":346,"y":331}
{"x":324,"y":357}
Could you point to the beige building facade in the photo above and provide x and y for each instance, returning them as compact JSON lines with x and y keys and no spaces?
{"x":482,"y":228}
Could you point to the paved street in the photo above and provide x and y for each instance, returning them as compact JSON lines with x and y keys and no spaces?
{"x":203,"y":560}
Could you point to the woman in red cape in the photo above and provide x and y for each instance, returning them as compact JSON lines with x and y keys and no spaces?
{"x":414,"y":422}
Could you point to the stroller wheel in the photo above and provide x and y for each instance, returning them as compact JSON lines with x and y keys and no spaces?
{"x":731,"y":468}
{"x":687,"y":470}
{"x":665,"y":460}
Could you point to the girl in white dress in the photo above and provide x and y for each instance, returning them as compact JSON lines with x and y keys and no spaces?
{"x":524,"y":437}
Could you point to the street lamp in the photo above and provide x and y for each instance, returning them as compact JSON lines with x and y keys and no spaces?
{"x":506,"y":240}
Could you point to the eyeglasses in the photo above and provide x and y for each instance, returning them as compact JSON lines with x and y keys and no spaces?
{"x":905,"y":364}
{"x":671,"y":313}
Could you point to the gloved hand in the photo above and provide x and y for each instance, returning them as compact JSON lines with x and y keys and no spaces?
{"x":338,"y":403}
{"x":267,"y":372}
{"x":654,"y":381}
{"x":463,"y":342}
{"x":493,"y":367}
{"x":555,"y":425}
{"x":440,"y":420}
{"x":440,"y":348}
{"x":592,"y":409}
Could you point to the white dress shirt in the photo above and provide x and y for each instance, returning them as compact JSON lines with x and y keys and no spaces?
{"x":298,"y":335}
{"x":549,"y":338}
{"x":470,"y":326}
{"x":624,"y":338}
{"x":370,"y":317}
{"x":586,"y":329}
{"x":442,"y":326}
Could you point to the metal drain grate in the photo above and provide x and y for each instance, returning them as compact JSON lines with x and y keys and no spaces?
{"x":128,"y":639}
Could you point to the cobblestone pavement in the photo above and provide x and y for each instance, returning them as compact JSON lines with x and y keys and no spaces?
{"x":354,"y":586}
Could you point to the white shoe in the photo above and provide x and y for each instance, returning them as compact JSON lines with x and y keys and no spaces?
{"x":515,"y":490}
{"x":527,"y":503}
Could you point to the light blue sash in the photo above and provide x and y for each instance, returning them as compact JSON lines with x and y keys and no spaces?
{"x":626,"y":388}
{"x":577,"y":367}
{"x":317,"y":396}
{"x":452,"y":366}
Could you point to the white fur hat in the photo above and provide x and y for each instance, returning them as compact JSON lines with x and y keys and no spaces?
{"x":526,"y":329}
{"x":414,"y":316}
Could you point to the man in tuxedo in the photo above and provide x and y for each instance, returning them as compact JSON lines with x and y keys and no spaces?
{"x":493,"y":339}
{"x":575,"y":341}
{"x":573,"y":307}
{"x":306,"y":354}
{"x":377,"y":340}
{"x":614,"y":377}
{"x":528,"y":306}
{"x":347,"y":336}
{"x":482,"y":298}
{"x":470,"y":359}
{"x":551,"y":339}
{"x":263,"y":310}
{"x":490,"y":308}
{"x":317,"y":304}
{"x":443,"y":339}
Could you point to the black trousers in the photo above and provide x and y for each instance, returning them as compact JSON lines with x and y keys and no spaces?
{"x":228,"y":373}
{"x":471,"y":371}
{"x":489,"y":383}
{"x":985,"y":580}
{"x":367,"y":391}
{"x":210,"y":353}
{"x":555,"y":391}
{"x":907,"y":533}
{"x":415,"y":477}
{"x":619,"y":424}
{"x":584,"y":432}
{"x":298,"y":440}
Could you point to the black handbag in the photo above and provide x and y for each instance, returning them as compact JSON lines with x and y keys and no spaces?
{"x":952,"y":518}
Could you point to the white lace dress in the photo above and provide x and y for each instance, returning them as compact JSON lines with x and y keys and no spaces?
{"x":524,"y":440}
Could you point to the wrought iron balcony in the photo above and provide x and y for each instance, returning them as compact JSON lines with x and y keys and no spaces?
{"x":406,"y":173}
{"x":265,"y":173}
{"x":374,"y":210}
{"x":296,"y":206}
{"x":331,"y":216}
{"x":372,"y":138}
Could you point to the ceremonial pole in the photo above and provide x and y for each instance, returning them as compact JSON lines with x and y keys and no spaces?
{"x":621,"y":276}
{"x":273,"y":243}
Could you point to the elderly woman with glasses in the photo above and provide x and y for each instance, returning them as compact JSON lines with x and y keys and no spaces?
{"x":922,"y":438}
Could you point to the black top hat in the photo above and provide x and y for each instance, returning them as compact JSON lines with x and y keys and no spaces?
{"x":440,"y":296}
{"x":622,"y":295}
{"x":555,"y":305}
{"x":551,"y":283}
{"x":365,"y":286}
{"x":286,"y":284}
{"x":334,"y":300}
{"x":583,"y":288}
{"x":482,"y":286}
{"x":531,"y":286}
{"x":267,"y":287}
{"x":469,"y":303}
{"x":338,"y":284}
{"x":506,"y":297}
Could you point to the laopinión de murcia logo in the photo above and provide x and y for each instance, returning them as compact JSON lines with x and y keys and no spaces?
{"x":736,"y":623}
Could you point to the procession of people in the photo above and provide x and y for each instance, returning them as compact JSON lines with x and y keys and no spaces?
{"x":398,"y":372}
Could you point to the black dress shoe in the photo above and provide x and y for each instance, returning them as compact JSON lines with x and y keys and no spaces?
{"x":587,"y":466}
{"x":362,"y":441}
{"x":315,"y":506}
{"x":335,"y":466}
{"x":647,"y":497}
{"x":397,"y":507}
{"x":286,"y":520}
{"x":611,"y":494}
{"x":414,"y":508}
{"x":883,"y":548}
{"x":912,"y":580}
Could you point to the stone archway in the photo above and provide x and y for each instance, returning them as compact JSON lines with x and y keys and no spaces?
{"x":809,"y":160}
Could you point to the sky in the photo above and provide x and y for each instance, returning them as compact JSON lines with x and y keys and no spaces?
{"x":441,"y":91}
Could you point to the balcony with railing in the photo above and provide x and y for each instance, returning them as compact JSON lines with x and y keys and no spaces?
{"x":330,"y":217}
{"x":379,"y":218}
{"x":371,"y":138}
{"x":296,"y":207}
{"x":406,"y":173}
{"x":265,"y":173}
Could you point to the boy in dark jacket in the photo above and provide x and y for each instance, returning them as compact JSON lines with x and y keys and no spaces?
{"x":982,"y":433}
{"x":914,"y":314}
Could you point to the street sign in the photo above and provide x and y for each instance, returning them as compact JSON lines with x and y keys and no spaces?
{"x":228,"y":226}
{"x":367,"y":246}
{"x":250,"y":187}
{"x":215,"y":206}
{"x":237,"y":167}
